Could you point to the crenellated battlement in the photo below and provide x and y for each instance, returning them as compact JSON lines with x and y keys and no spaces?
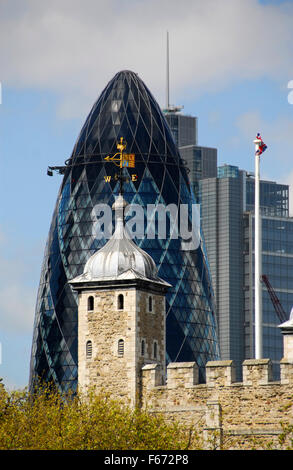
{"x":253,"y":408}
{"x":218,"y":374}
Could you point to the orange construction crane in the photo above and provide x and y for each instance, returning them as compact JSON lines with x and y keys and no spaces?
{"x":275,"y":301}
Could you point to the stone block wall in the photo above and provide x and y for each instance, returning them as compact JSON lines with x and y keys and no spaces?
{"x":105,"y":326}
{"x":114,"y":369}
{"x":226,"y":413}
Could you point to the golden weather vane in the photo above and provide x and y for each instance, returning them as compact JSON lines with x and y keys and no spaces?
{"x":122,"y":160}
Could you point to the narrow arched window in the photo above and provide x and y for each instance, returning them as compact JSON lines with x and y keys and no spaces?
{"x":90,"y":303}
{"x":121,"y":347}
{"x":150,"y":304}
{"x":89,"y":349}
{"x":120,"y":302}
{"x":155,"y":349}
{"x":142,"y":347}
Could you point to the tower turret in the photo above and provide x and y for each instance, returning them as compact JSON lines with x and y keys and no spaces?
{"x":121,"y":315}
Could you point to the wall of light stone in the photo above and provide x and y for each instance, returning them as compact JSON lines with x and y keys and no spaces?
{"x":106,"y":370}
{"x":226,"y":414}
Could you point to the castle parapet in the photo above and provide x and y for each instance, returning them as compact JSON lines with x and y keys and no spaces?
{"x":220,"y":373}
{"x":286,"y":371}
{"x":182,"y":374}
{"x":257,"y":371}
{"x":151,"y":376}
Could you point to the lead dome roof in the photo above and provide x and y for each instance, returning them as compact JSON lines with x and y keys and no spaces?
{"x":120,"y":258}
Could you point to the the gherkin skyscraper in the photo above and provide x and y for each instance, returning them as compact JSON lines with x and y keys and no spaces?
{"x":127,"y":109}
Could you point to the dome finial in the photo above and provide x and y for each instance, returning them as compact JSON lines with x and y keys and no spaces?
{"x":119,"y":207}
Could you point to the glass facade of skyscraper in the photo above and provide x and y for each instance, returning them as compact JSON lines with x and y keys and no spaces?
{"x":228,"y":171}
{"x":277,"y":265}
{"x":221,"y":222}
{"x":200,"y":161}
{"x":274,"y":198}
{"x":183,"y":128}
{"x":227,"y":209}
{"x":126,"y":109}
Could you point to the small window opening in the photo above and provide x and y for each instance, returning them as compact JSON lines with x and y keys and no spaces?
{"x":121,"y":347}
{"x":142,"y":347}
{"x":89,"y":349}
{"x":90,"y":303}
{"x":155,"y":350}
{"x":150,"y":304}
{"x":120,"y":302}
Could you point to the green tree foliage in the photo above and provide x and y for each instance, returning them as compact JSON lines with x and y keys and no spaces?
{"x":286,"y":436}
{"x":47,"y":420}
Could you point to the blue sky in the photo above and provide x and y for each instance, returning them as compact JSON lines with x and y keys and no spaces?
{"x":230,"y":65}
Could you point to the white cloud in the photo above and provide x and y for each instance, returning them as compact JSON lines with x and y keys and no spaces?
{"x":277,"y":133}
{"x":278,"y":130}
{"x":75,"y":47}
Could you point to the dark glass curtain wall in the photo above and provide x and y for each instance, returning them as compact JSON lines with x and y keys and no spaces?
{"x":125,"y":109}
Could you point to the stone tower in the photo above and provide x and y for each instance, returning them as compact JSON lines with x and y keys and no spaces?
{"x":121,"y":316}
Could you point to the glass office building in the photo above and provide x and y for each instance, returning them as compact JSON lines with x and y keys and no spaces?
{"x":200,"y":161}
{"x":274,"y":198}
{"x":227,"y":210}
{"x":183,"y":127}
{"x":127,"y":109}
{"x":221,"y":222}
{"x":277,"y":265}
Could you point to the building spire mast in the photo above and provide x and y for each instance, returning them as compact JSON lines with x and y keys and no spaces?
{"x":169,"y":108}
{"x":167,"y":75}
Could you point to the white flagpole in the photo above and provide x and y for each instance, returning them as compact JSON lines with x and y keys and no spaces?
{"x":257,"y":257}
